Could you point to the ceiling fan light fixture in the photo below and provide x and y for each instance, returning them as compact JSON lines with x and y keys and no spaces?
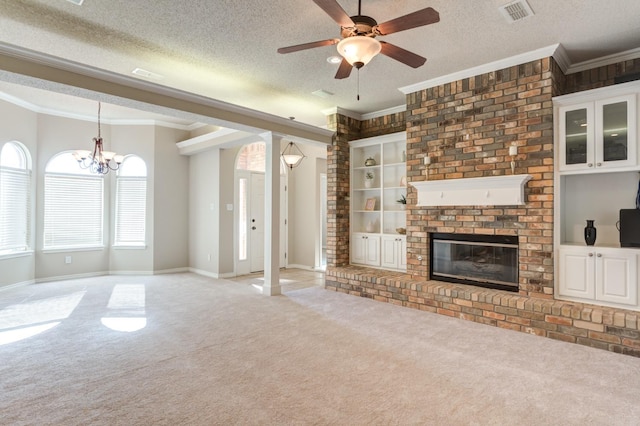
{"x":359,"y":50}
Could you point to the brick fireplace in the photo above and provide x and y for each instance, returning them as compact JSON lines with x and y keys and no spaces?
{"x":466,"y":128}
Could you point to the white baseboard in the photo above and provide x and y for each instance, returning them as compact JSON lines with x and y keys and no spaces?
{"x":15,"y":285}
{"x":296,"y":266}
{"x":212,"y":274}
{"x":71,"y":277}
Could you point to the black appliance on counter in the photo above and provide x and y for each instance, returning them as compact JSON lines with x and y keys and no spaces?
{"x":630,"y":227}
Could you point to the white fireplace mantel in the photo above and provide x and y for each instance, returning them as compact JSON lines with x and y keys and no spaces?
{"x":480,"y":191}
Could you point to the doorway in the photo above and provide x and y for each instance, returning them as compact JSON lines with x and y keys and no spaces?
{"x":250,"y":214}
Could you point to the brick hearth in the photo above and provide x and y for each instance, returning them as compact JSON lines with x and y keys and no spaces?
{"x":600,"y":327}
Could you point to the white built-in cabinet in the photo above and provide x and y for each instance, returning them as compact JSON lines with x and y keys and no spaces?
{"x":603,"y":274}
{"x":378,"y":181}
{"x":596,"y":175}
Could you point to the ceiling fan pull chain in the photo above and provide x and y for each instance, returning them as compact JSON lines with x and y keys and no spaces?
{"x":358,"y":83}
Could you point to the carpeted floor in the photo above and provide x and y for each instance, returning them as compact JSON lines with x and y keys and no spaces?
{"x":201,"y":351}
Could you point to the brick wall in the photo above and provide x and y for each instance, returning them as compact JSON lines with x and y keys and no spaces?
{"x":601,"y":76}
{"x":467,"y":127}
{"x":338,"y":189}
{"x":347,"y":129}
{"x":391,"y":123}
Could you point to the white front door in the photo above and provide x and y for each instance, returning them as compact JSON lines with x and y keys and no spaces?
{"x":256,"y":222}
{"x":250,"y":222}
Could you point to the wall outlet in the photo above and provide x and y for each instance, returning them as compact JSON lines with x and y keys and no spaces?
{"x":67,"y":259}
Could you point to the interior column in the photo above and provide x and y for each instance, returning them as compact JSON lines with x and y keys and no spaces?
{"x":271,"y":286}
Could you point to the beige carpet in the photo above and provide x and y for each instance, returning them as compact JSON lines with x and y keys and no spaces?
{"x":215,"y":352}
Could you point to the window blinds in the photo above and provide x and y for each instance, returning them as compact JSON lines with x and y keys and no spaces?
{"x":15,"y":210}
{"x":73,"y":211}
{"x":131,"y":202}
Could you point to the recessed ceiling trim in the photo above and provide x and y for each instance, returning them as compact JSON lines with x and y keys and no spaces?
{"x":36,"y":65}
{"x":73,"y":116}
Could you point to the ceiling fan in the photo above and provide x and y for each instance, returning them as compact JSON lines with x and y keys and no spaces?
{"x":359,"y":45}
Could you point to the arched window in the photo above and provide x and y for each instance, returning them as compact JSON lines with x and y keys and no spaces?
{"x":252,"y":157}
{"x":131,"y":202}
{"x":73,"y":205}
{"x":15,"y":205}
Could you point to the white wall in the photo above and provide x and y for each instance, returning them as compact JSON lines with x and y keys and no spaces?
{"x":171,"y":202}
{"x":304,"y":207}
{"x":204,"y":210}
{"x":211,"y":225}
{"x":19,"y":125}
{"x":167,"y":205}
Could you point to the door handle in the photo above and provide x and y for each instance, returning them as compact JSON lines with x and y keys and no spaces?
{"x":253,"y":227}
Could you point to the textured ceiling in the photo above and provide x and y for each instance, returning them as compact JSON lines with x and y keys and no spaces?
{"x":226,"y":49}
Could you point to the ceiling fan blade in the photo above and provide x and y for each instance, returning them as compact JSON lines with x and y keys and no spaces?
{"x":344,"y":70}
{"x":311,"y":45}
{"x":333,"y":9}
{"x":402,"y":55}
{"x":416,"y":19}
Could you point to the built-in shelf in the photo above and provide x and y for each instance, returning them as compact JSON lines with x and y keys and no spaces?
{"x":480,"y":191}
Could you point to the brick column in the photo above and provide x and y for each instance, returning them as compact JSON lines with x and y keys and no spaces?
{"x":347,"y":129}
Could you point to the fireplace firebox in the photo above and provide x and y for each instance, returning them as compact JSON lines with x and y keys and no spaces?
{"x":482,"y":260}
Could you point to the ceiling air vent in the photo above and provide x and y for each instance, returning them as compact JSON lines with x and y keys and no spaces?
{"x":516,"y":10}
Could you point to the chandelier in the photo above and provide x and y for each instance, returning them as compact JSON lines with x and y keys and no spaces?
{"x":292,"y":155}
{"x":98,"y":161}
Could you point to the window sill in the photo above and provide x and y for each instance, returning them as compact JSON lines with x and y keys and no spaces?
{"x":72,"y":249}
{"x":16,"y":254}
{"x":129,"y":247}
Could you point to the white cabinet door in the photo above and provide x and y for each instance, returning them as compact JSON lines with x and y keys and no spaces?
{"x":373,"y":250}
{"x":577,"y":272}
{"x":394,"y":252}
{"x":617,"y":276}
{"x":389,"y":252}
{"x":402,"y":255}
{"x":576,"y":137}
{"x":365,"y":249}
{"x":358,"y":248}
{"x":615,"y":132}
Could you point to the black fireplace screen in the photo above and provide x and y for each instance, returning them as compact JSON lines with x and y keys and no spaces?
{"x":482,"y":260}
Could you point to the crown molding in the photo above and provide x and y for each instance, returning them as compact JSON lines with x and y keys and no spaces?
{"x":604,"y":61}
{"x":522,"y":58}
{"x":383,"y":112}
{"x":365,"y":116}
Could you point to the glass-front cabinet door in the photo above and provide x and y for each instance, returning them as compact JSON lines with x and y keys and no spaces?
{"x":616,"y":132}
{"x":577,"y":137}
{"x":598,"y":135}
